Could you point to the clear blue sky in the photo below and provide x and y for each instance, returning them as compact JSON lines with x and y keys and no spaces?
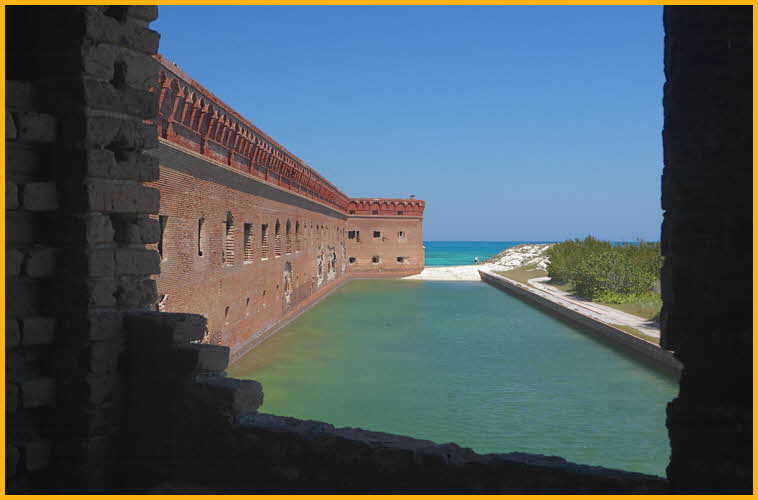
{"x":513,"y":123}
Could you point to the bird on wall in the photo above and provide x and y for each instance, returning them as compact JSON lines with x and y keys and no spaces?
{"x":413,"y":196}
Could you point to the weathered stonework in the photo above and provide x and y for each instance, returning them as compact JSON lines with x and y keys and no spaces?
{"x":707,"y":179}
{"x":79,"y":90}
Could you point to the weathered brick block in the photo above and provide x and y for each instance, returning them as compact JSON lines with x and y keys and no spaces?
{"x":103,"y":357}
{"x":104,"y":130}
{"x":141,"y":71}
{"x":36,"y":454}
{"x":12,"y":333}
{"x":228,"y":395}
{"x":149,"y":170}
{"x":40,"y":196}
{"x":130,"y":166}
{"x":19,"y":95}
{"x":101,"y":263}
{"x":41,"y":262}
{"x":99,"y":60}
{"x":38,"y":330}
{"x":98,"y":229}
{"x":101,"y":292}
{"x":22,"y":161}
{"x":11,"y":397}
{"x":136,"y":292}
{"x":11,"y":196}
{"x":22,"y":298}
{"x":14,"y":259}
{"x":37,"y":392}
{"x":125,"y":198}
{"x":32,"y":227}
{"x":143,"y":12}
{"x":202,"y":357}
{"x":35,"y":127}
{"x":101,"y":389}
{"x":137,"y":261}
{"x":104,"y":96}
{"x":12,"y":459}
{"x":96,"y":325}
{"x":10,"y":127}
{"x":133,"y":34}
{"x":131,"y":229}
{"x":19,"y":227}
{"x":162,"y":329}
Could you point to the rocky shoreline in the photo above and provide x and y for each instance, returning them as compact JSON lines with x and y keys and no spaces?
{"x":527,"y":254}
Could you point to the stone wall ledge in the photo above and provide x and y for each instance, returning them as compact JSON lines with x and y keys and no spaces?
{"x":290,"y":455}
{"x":658,"y":358}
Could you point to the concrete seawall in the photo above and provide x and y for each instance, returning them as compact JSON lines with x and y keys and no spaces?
{"x":660,"y":359}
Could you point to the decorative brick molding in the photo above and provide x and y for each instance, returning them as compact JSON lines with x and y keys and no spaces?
{"x":191,"y":116}
{"x":387,"y":207}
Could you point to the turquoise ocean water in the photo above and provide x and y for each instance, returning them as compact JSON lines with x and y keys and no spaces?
{"x":464,"y":362}
{"x":457,"y":253}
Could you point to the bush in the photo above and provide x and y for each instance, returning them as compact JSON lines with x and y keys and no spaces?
{"x":599,"y":271}
{"x":566,"y":255}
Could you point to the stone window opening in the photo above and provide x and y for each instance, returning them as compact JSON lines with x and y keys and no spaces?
{"x":200,"y":223}
{"x":401,"y":260}
{"x":298,"y":237}
{"x":401,"y":235}
{"x":226,"y":315}
{"x":277,"y":239}
{"x":162,"y":220}
{"x":264,"y":242}
{"x":377,"y":234}
{"x":352,"y":212}
{"x":375,"y":259}
{"x":288,"y":237}
{"x":228,"y":254}
{"x":352,"y":260}
{"x":375,"y":212}
{"x":400,"y":212}
{"x":247,"y":254}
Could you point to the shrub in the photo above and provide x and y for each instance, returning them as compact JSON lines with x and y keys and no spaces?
{"x":566,"y":255}
{"x":600,"y":271}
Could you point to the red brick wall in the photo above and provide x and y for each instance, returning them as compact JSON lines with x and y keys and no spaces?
{"x":388,"y":246}
{"x":241,"y":298}
{"x":217,"y":167}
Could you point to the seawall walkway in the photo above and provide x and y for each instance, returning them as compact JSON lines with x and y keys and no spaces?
{"x":595,"y":311}
{"x":588,"y":321}
{"x":596,"y":318}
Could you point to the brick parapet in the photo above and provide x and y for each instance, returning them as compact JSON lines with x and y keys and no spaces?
{"x":386,"y":207}
{"x":190,"y":115}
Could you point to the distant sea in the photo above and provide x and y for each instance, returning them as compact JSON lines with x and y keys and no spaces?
{"x":458,"y":253}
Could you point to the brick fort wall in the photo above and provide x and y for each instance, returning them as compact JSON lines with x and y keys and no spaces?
{"x":250,"y":234}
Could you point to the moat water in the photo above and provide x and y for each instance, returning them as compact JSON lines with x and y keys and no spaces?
{"x":464,"y":362}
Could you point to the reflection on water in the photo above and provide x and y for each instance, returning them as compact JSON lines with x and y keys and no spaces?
{"x":464,"y":362}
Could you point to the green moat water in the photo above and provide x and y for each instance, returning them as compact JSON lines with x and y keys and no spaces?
{"x":463,"y":362}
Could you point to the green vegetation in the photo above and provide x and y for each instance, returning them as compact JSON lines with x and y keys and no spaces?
{"x":624,"y":275}
{"x":523,"y":274}
{"x":637,"y":333}
{"x":648,"y":308}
